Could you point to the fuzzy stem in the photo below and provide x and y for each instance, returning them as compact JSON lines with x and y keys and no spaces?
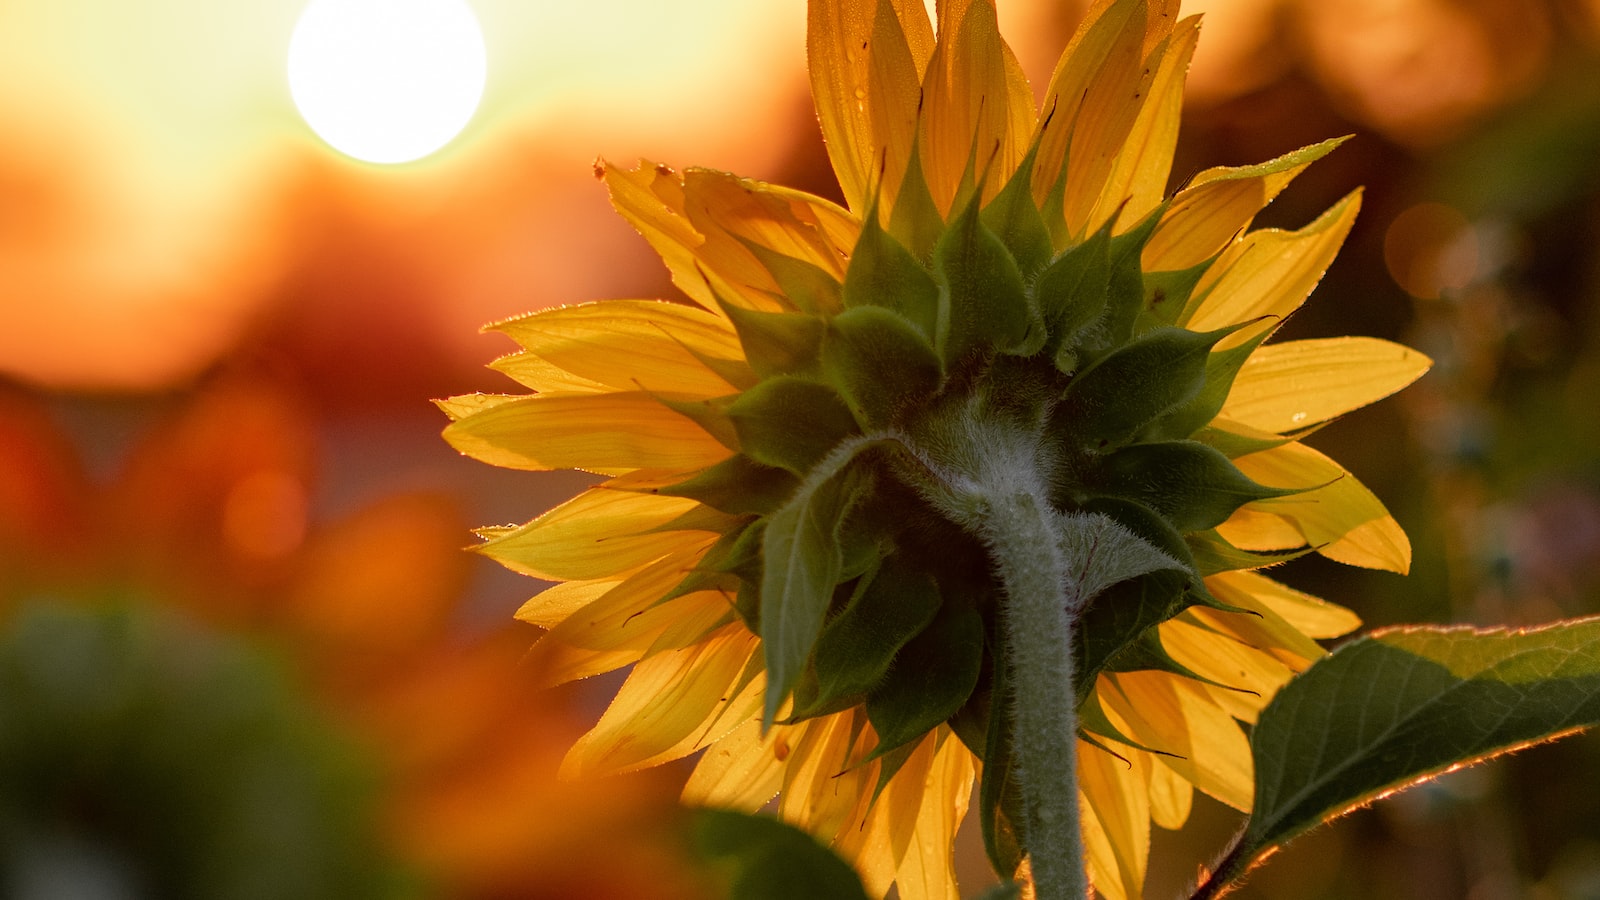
{"x":1040,"y":600}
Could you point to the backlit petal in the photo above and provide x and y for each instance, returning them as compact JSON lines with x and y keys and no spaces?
{"x":598,"y":533}
{"x":1343,"y":520}
{"x":1283,"y":387}
{"x":928,"y":868}
{"x":661,"y":711}
{"x":1218,"y":204}
{"x":1270,"y":272}
{"x":1309,"y":615}
{"x":1116,"y":820}
{"x":606,"y":433}
{"x":1137,"y":182}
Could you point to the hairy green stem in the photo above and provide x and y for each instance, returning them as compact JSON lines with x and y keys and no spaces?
{"x":1039,"y":611}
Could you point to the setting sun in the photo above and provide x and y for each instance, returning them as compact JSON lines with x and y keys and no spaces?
{"x":387,"y":81}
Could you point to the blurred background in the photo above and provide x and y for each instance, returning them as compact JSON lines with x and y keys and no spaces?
{"x":235,"y":621}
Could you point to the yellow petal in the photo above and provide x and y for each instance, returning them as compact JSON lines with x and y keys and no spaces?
{"x":1137,"y":182}
{"x":894,"y":818}
{"x":1171,"y":797}
{"x":820,"y":786}
{"x":628,"y":345}
{"x":661,"y":711}
{"x":894,"y":93}
{"x":967,"y":105}
{"x":1107,"y":47}
{"x":1270,"y":272}
{"x":551,"y":606}
{"x":1170,"y":713}
{"x":1253,"y":529}
{"x":1111,"y":103}
{"x":606,"y":433}
{"x":1219,"y":203}
{"x":1283,"y":387}
{"x":1217,"y":657}
{"x":598,"y":533}
{"x":928,"y":869}
{"x":1261,"y":628}
{"x":742,"y":770}
{"x":638,"y":196}
{"x":1115,"y":806}
{"x":1307,"y":614}
{"x":1343,"y":520}
{"x":623,"y":624}
{"x":544,"y":376}
{"x":839,"y":46}
{"x":458,"y":408}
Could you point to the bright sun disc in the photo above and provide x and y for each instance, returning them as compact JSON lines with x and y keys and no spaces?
{"x":387,"y":81}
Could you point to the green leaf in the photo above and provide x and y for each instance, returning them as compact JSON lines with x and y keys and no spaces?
{"x":801,"y":563}
{"x":933,"y":676}
{"x":1191,"y":485}
{"x":1109,"y":401}
{"x":882,"y":272}
{"x":857,"y":648}
{"x":765,"y":859}
{"x":1393,"y":708}
{"x":790,"y":422}
{"x":880,"y":363}
{"x":985,"y":304}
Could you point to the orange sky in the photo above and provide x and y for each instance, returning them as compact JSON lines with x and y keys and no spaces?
{"x":160,"y":196}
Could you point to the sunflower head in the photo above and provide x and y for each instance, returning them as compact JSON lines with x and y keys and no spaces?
{"x":799,"y":456}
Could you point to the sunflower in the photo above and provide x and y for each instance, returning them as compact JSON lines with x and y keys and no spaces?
{"x":784,"y":545}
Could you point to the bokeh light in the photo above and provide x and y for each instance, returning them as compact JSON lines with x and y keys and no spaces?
{"x":387,"y":81}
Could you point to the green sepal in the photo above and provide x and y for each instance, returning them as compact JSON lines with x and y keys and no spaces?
{"x":1093,"y":722}
{"x":777,"y":343}
{"x":1120,"y":393}
{"x":1191,"y":485}
{"x":857,"y":647}
{"x":1014,"y":218}
{"x":712,"y":571}
{"x":1233,"y":445}
{"x":1222,"y":367}
{"x":801,"y":564}
{"x":1123,"y":614}
{"x":738,"y":485}
{"x":1213,"y":554}
{"x":710,"y":414}
{"x":1000,"y":803}
{"x":915,"y":220}
{"x":888,"y":765}
{"x":1125,"y":292}
{"x":935,"y":674}
{"x":882,"y":272}
{"x":1071,"y":295}
{"x":880,"y":362}
{"x":761,"y":858}
{"x":1167,"y":295}
{"x":982,"y":302}
{"x":803,"y":284}
{"x":790,"y":422}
